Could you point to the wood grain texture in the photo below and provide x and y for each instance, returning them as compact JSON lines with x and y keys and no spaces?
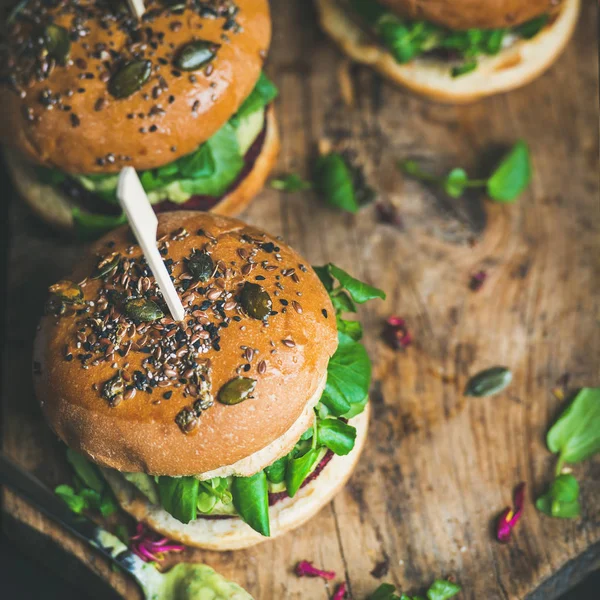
{"x":439,"y":467}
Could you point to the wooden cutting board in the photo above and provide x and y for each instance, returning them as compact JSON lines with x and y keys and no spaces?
{"x":439,"y":467}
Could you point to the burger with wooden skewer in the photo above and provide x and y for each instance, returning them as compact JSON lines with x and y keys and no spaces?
{"x":178,"y":94}
{"x":452,"y":50}
{"x":238,"y":422}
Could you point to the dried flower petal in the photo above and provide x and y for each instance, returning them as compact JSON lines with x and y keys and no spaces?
{"x":306,"y":569}
{"x":477,"y":280}
{"x":397,"y":333}
{"x":510,"y":516}
{"x":340,"y":592}
{"x":149,"y":547}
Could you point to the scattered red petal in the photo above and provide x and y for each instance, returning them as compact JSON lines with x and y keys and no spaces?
{"x":388,"y":213}
{"x":149,"y":546}
{"x":306,"y":569}
{"x":340,"y":592}
{"x":510,"y":516}
{"x":396,"y":333}
{"x":477,"y":280}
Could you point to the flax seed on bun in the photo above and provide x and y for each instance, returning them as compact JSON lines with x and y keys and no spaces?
{"x":65,"y":116}
{"x":90,"y":355}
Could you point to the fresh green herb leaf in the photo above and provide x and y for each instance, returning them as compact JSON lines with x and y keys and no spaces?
{"x":488,"y":382}
{"x":179,"y":497}
{"x":348,"y":378}
{"x":290,"y":183}
{"x":324,"y":276}
{"x":108,"y":503}
{"x":276,"y":472}
{"x":89,"y":226}
{"x":75,"y":502}
{"x":342,"y":302}
{"x":334,"y":180}
{"x":510,"y":178}
{"x":359,"y":291}
{"x":455,"y":182}
{"x":466,"y":67}
{"x":531,"y":28}
{"x":264,"y":92}
{"x":352,"y":329}
{"x":251,"y":501}
{"x":298,"y":470}
{"x":512,"y":175}
{"x":562,"y":499}
{"x":386,"y":591}
{"x":197,"y":165}
{"x":576,"y":434}
{"x":336,"y":435}
{"x":86,"y":471}
{"x":442,"y":590}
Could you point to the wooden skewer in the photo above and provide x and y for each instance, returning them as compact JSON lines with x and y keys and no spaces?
{"x":143,"y":222}
{"x":137,"y":8}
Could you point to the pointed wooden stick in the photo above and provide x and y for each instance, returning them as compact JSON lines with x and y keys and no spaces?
{"x":137,"y":8}
{"x":144,"y":224}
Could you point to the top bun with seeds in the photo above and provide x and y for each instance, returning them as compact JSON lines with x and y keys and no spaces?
{"x":127,"y":387}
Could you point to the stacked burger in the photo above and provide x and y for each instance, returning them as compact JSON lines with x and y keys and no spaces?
{"x":236,"y":424}
{"x":452,"y":50}
{"x":179,"y":95}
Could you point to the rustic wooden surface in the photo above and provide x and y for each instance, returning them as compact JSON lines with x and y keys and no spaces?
{"x":439,"y":467}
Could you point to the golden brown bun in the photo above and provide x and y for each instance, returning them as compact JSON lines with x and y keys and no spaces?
{"x":53,"y":140}
{"x":54,"y":207}
{"x":476,"y":14}
{"x":140,"y":434}
{"x":234,"y":534}
{"x":513,"y":67}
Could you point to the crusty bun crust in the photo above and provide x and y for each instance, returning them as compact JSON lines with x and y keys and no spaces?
{"x":55,"y":208}
{"x":140,"y":433}
{"x":468,"y":14}
{"x":98,"y":132}
{"x":513,"y":67}
{"x":234,"y":534}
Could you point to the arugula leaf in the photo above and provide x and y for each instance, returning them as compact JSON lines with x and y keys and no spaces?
{"x":348,"y":378}
{"x":73,"y":500}
{"x":576,"y":434}
{"x":336,"y":435}
{"x":264,"y":92}
{"x":324,"y":276}
{"x":86,"y":471}
{"x":455,"y":182}
{"x":334,"y":181}
{"x":298,"y":470}
{"x":342,"y":302}
{"x":290,"y":183}
{"x":442,"y":590}
{"x":359,"y":291}
{"x":386,"y":591}
{"x":562,"y":499}
{"x":512,"y":175}
{"x":251,"y":501}
{"x":510,"y":178}
{"x":352,"y":329}
{"x":179,"y":497}
{"x":276,"y":472}
{"x":90,"y":226}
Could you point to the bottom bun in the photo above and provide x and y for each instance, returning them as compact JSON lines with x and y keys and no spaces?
{"x":513,"y":67}
{"x":54,"y":207}
{"x":233,"y":533}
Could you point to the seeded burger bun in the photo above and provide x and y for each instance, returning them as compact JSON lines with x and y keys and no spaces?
{"x":141,"y":434}
{"x":517,"y":63}
{"x":108,"y":92}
